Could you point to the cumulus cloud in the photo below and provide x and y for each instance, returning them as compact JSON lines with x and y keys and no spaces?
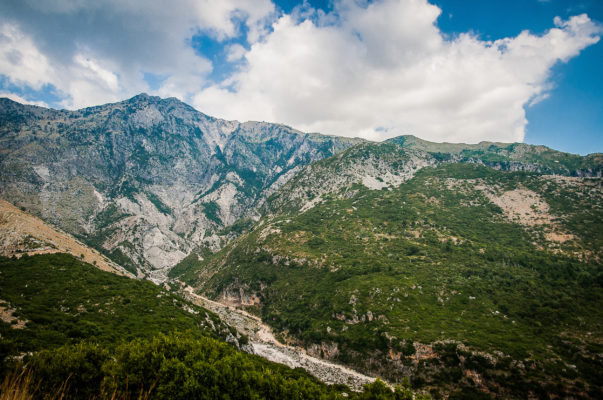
{"x":235,"y":52}
{"x":383,"y":68}
{"x":375,"y":69}
{"x":98,"y":51}
{"x":21,"y":60}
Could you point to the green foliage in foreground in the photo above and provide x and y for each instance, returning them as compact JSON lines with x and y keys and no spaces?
{"x":65,"y":301}
{"x":183,"y":366}
{"x":107,"y":336}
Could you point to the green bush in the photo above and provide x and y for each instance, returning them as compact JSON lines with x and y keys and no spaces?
{"x":182,"y":366}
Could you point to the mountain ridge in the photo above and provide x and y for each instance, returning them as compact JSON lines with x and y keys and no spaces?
{"x":148,"y":180}
{"x":415,"y":140}
{"x":158,"y":170}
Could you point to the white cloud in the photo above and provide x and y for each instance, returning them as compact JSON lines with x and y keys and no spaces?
{"x":384,"y":69}
{"x":21,"y":61}
{"x":374,"y":69}
{"x":98,"y":51}
{"x":235,"y":52}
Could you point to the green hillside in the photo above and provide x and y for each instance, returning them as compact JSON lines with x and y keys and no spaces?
{"x":88,"y":334}
{"x":62,"y":301}
{"x":463,"y":278}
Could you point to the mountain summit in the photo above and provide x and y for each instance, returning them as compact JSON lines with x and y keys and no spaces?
{"x":147,"y":180}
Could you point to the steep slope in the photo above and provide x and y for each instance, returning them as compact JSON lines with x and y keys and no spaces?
{"x":22,"y":233}
{"x":61,"y":300}
{"x":388,"y":164}
{"x":85,"y":334}
{"x":55,"y":300}
{"x":404,"y":262}
{"x":146,"y":180}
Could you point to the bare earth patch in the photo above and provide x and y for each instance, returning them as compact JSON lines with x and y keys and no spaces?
{"x":22,"y":233}
{"x":6,"y":315}
{"x":527,"y":208}
{"x":522,"y":205}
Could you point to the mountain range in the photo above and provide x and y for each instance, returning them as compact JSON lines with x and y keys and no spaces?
{"x":467,"y":270}
{"x":147,"y":180}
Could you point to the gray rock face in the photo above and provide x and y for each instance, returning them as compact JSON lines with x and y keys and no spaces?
{"x":147,"y":180}
{"x":377,"y":166}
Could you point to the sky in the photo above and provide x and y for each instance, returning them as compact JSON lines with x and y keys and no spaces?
{"x":443,"y":70}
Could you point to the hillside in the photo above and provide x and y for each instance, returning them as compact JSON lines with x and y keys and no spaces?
{"x":381,"y":165}
{"x":146,"y":180}
{"x":465,"y":274}
{"x":50,"y":300}
{"x":66,"y":319}
{"x":84,"y":333}
{"x":22,"y":233}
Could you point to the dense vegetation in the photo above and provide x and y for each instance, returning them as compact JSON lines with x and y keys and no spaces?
{"x":406,"y":269}
{"x":89,"y":334}
{"x":183,"y":366}
{"x":65,"y":301}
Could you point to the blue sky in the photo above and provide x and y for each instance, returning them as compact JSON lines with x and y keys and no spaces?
{"x":571,"y":119}
{"x":444,"y":70}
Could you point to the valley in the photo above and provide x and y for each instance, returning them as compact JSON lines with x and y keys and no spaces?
{"x":264,"y":344}
{"x":445,"y":270}
{"x":86,"y":333}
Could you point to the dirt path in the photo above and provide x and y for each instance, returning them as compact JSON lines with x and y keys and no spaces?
{"x":265,"y":344}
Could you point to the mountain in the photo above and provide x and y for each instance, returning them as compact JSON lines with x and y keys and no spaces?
{"x":469,"y":271}
{"x":473,"y":270}
{"x":147,"y":180}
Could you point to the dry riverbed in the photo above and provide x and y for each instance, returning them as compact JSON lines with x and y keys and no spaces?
{"x":264,"y":344}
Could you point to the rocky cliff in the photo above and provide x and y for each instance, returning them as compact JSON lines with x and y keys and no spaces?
{"x":147,"y":180}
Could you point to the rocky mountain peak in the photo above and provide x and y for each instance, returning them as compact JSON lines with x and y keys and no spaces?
{"x":147,"y":180}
